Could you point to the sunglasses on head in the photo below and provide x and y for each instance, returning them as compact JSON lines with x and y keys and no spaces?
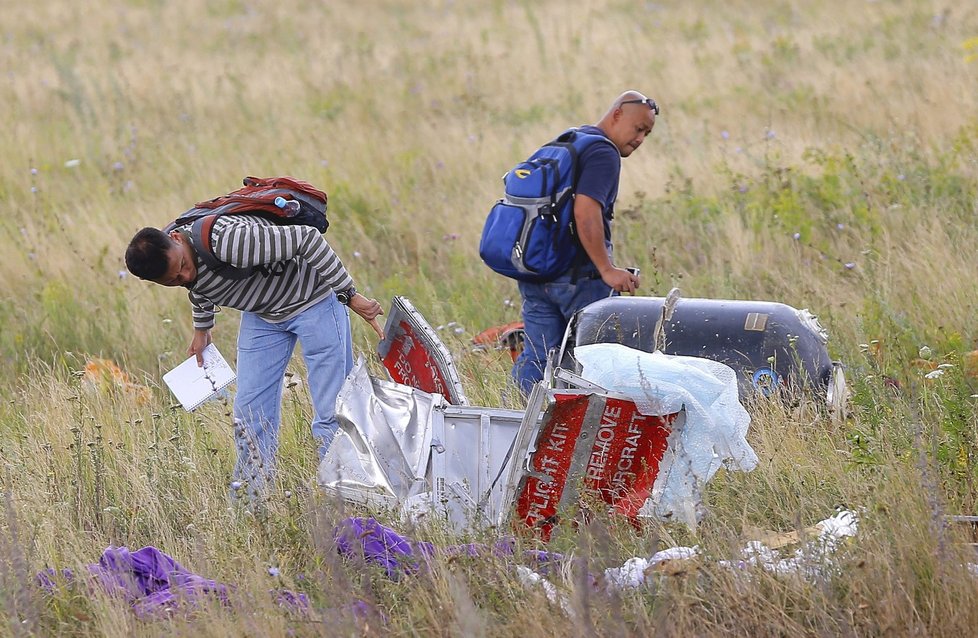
{"x":647,"y":101}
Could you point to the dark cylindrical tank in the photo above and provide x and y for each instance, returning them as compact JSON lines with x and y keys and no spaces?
{"x":769,"y":345}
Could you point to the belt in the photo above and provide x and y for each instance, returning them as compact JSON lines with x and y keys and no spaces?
{"x":590,"y":273}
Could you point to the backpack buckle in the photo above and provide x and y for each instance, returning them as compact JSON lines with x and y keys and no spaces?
{"x":549,"y":210}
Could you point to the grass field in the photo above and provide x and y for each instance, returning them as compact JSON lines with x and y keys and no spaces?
{"x":821,"y":154}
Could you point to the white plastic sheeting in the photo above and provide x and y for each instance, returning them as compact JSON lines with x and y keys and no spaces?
{"x":714,"y":431}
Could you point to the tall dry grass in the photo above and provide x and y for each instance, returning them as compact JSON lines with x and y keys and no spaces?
{"x":850,"y":125}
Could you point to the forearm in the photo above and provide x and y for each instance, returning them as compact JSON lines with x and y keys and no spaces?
{"x":590,"y":232}
{"x":202,"y":312}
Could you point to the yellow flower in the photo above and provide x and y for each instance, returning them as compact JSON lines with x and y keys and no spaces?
{"x":971,"y":44}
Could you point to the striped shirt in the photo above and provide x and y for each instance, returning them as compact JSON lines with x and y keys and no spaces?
{"x":312,"y":271}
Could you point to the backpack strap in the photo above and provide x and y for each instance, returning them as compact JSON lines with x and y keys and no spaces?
{"x":200,"y":238}
{"x":571,"y":136}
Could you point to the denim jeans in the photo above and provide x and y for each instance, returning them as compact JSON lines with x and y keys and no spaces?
{"x":264,"y":351}
{"x":547,"y":309}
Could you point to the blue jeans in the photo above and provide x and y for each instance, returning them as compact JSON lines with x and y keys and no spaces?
{"x":547,"y":309}
{"x":264,"y":351}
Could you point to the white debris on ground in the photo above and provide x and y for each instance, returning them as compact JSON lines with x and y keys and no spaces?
{"x":716,"y":422}
{"x":809,"y":560}
{"x":632,"y":573}
{"x":530,"y":578}
{"x":812,"y":557}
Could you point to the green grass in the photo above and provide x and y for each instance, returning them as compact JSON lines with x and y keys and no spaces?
{"x":851,"y":125}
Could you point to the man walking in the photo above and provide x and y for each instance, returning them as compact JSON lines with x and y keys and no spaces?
{"x":298,"y":290}
{"x":548,"y":306}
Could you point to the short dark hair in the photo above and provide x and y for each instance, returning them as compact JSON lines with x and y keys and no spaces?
{"x":146,"y":256}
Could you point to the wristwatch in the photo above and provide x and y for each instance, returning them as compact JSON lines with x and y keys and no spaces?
{"x":345,"y":296}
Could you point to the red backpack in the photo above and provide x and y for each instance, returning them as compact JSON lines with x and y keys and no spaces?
{"x":283,"y":200}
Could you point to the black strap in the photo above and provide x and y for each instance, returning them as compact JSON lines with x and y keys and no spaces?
{"x":200,"y":238}
{"x":580,"y":259}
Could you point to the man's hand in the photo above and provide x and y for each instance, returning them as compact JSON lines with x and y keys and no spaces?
{"x":202,"y":339}
{"x":621,"y":280}
{"x":369,"y":309}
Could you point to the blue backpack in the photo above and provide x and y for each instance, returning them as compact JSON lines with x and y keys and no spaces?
{"x":529,"y":233}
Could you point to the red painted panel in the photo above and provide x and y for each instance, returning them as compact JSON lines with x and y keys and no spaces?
{"x":410,"y":363}
{"x":536,"y":504}
{"x":623,"y":461}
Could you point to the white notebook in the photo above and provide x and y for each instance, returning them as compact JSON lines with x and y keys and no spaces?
{"x":193,"y":385}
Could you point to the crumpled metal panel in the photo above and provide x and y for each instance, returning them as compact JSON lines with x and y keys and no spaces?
{"x":384,"y":440}
{"x":403,"y":448}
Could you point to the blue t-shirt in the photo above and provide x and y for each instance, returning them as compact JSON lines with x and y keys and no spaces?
{"x":600,"y":166}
